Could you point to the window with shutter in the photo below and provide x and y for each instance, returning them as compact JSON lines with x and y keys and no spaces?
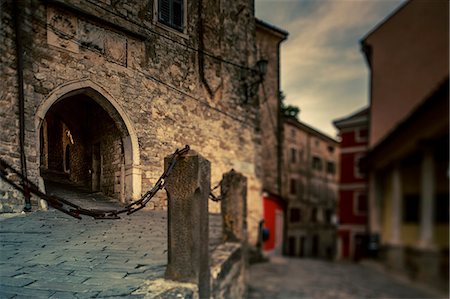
{"x":171,"y":13}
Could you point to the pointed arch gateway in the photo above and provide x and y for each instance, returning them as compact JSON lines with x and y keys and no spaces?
{"x":77,"y":100}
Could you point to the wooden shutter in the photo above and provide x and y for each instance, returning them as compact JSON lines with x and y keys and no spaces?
{"x":177,"y":9}
{"x":164,"y":11}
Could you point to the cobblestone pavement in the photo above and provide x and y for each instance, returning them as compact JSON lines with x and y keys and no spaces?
{"x":51,"y":255}
{"x":288,"y":278}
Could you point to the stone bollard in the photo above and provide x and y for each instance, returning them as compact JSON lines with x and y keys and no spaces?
{"x":234,"y":206}
{"x":188,"y":188}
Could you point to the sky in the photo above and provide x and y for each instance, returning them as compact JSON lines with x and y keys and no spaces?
{"x":323,"y":70}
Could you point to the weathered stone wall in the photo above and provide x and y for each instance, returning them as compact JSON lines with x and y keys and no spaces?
{"x":154,"y":75}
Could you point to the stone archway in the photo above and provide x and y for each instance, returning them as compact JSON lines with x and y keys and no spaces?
{"x":129,"y":142}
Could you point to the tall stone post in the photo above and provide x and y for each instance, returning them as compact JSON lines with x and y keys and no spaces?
{"x":188,"y":188}
{"x":234,"y":206}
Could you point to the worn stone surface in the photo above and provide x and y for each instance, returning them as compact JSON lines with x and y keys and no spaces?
{"x":287,"y":278}
{"x":234,"y":206}
{"x":228,"y":271}
{"x":151,"y":73}
{"x":49,"y":254}
{"x":188,"y":187}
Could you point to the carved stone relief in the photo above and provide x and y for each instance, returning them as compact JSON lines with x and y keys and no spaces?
{"x":67,"y":32}
{"x":116,"y":48}
{"x":92,"y":37}
{"x":62,"y":30}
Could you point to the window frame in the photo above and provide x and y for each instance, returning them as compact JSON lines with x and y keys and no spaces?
{"x":293,"y":153}
{"x":297,"y":212}
{"x":356,"y":163}
{"x":359,"y":138}
{"x":319,"y":164}
{"x":178,"y":31}
{"x":333,"y":164}
{"x":314,"y":215}
{"x":293,"y":186}
{"x":356,"y":203}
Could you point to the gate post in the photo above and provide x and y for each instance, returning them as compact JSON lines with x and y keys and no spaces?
{"x":234,"y":206}
{"x":188,"y":188}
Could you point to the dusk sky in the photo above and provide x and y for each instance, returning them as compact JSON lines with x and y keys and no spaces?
{"x":323,"y":70}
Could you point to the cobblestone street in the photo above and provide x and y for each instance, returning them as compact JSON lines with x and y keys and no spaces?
{"x":287,"y":278}
{"x":51,"y":255}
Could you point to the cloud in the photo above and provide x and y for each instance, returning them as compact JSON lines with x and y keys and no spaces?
{"x":322,"y":68}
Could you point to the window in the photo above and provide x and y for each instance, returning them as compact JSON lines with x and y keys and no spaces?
{"x":360,"y":204}
{"x":317,"y":163}
{"x":331,"y":168}
{"x":360,"y":166}
{"x":301,"y":155}
{"x":314,"y":213}
{"x":362,"y":135}
{"x":328,"y":216}
{"x":171,"y":13}
{"x":411,"y":204}
{"x":293,"y":186}
{"x":295,"y":215}
{"x":292,"y":133}
{"x":293,"y":155}
{"x":331,"y":149}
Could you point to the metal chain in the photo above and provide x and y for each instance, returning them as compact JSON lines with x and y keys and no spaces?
{"x":214,"y":197}
{"x":74,"y":210}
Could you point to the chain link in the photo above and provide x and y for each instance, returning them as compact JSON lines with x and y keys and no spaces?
{"x":74,"y":210}
{"x":214,"y":197}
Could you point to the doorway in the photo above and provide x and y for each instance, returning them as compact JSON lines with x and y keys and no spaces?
{"x":83,"y":147}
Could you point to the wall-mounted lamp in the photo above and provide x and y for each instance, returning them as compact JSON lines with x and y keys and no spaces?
{"x":262,"y":67}
{"x":252,"y":89}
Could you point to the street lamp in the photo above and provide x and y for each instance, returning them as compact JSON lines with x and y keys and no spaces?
{"x":252,"y":89}
{"x":262,"y":67}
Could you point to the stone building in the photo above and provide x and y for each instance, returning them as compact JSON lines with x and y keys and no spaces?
{"x":310,"y":185}
{"x":269,"y":39}
{"x":109,"y":88}
{"x":353,"y":189}
{"x":407,"y":55}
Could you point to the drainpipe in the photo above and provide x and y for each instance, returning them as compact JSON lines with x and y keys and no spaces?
{"x":19,"y":60}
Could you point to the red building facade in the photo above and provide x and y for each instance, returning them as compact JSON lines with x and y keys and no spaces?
{"x":353,"y":190}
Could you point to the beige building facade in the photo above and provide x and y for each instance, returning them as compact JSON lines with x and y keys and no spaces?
{"x":269,"y":39}
{"x":408,"y":152}
{"x":310,"y":176}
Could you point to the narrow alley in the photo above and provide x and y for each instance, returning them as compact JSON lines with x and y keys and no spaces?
{"x":288,"y":278}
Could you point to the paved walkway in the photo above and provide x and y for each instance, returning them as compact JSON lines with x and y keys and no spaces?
{"x":51,"y":255}
{"x":287,"y":278}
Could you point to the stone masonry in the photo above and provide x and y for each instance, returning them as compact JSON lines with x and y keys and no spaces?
{"x":161,"y":88}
